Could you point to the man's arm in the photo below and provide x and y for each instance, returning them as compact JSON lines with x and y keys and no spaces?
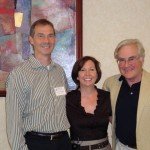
{"x":14,"y":110}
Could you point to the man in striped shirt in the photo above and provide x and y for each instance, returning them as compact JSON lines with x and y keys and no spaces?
{"x":35,"y":99}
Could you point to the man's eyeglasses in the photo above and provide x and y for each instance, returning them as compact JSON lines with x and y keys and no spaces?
{"x":130,"y":60}
{"x":43,"y":36}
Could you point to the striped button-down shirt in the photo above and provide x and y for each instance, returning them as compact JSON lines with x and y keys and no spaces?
{"x":35,"y":101}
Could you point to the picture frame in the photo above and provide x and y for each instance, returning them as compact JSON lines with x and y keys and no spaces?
{"x":78,"y":26}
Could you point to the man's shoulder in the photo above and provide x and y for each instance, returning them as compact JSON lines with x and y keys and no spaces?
{"x":58,"y":66}
{"x":17,"y":73}
{"x":21,"y":66}
{"x":113,"y":78}
{"x":146,"y":73}
{"x":146,"y":76}
{"x":111,"y":82}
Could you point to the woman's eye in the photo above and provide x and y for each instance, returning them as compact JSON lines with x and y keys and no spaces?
{"x":92,"y":69}
{"x":82,"y":70}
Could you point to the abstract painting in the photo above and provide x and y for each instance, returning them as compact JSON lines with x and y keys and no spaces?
{"x":62,"y":13}
{"x":66,"y":15}
{"x":14,"y":45}
{"x":7,"y":10}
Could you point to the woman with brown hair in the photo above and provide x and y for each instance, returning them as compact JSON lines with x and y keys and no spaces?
{"x":88,"y":108}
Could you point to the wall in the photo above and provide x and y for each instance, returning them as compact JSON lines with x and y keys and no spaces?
{"x":3,"y":138}
{"x":105,"y":24}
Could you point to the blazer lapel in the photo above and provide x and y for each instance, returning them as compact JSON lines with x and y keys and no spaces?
{"x":114,"y":96}
{"x":116,"y":92}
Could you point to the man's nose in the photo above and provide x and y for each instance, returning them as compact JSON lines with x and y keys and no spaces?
{"x":46,"y":38}
{"x":126,"y":63}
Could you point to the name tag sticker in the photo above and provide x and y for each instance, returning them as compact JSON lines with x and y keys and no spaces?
{"x":60,"y":91}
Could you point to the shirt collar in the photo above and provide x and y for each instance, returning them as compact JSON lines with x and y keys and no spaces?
{"x":122,"y":78}
{"x":36,"y":64}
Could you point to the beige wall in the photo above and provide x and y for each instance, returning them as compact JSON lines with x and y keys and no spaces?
{"x":105,"y":23}
{"x":3,"y":138}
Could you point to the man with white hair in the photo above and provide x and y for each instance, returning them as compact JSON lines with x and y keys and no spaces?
{"x":130,"y":98}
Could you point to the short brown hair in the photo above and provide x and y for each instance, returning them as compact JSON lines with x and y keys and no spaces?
{"x":40,"y":22}
{"x":80,"y":63}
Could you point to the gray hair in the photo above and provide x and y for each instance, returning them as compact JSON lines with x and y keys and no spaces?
{"x":129,"y":42}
